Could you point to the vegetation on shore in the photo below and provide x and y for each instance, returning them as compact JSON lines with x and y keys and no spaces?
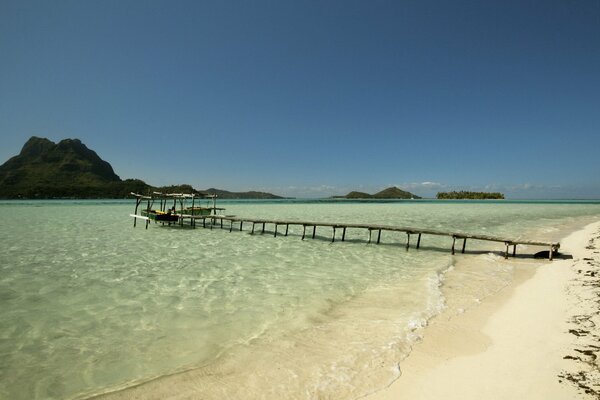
{"x":469,"y":195}
{"x":68,"y":169}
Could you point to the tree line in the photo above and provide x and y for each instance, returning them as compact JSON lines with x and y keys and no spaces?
{"x":454,"y":195}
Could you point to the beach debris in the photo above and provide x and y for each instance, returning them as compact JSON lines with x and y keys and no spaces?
{"x":546,"y":254}
{"x":585,"y":374}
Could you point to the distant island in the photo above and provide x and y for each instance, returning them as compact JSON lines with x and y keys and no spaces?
{"x":389,"y":193}
{"x":463,"y":195}
{"x":69,"y":169}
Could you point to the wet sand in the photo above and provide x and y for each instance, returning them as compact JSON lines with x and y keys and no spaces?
{"x":535,"y":339}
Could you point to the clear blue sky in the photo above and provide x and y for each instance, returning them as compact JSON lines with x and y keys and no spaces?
{"x":314,"y":98}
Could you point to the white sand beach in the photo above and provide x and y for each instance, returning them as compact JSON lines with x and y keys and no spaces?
{"x":536,"y":339}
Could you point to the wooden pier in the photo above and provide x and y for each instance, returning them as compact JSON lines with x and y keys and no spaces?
{"x":310,"y":228}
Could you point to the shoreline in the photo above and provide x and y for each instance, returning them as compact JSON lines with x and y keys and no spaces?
{"x":456,"y":333}
{"x":519,"y":342}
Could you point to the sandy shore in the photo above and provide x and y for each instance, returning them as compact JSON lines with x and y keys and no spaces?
{"x":536,"y":339}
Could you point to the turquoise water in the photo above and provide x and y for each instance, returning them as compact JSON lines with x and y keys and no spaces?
{"x":88,"y":304}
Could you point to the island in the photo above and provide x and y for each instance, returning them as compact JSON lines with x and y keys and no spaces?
{"x":389,"y":193}
{"x":464,"y":195}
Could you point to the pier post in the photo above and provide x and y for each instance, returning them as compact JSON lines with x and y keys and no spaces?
{"x":551,"y":254}
{"x":287,"y":226}
{"x":253,"y":223}
{"x":241,"y":225}
{"x":230,"y":225}
{"x":506,"y":252}
{"x":378,"y":236}
{"x":418,"y":241}
{"x":314,"y":231}
{"x":303,"y":231}
{"x":370,"y":232}
{"x":514,"y":250}
{"x":263,"y":228}
{"x":275,"y":233}
{"x":137,"y":204}
{"x":344,"y":234}
{"x":464,"y":245}
{"x":204,"y":222}
{"x":407,"y":240}
{"x":333,"y":238}
{"x":453,"y":243}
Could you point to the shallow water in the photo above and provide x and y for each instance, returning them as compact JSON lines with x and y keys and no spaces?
{"x":88,"y":304}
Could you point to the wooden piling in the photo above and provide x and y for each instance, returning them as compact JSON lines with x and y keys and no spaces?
{"x":407,"y":240}
{"x":464,"y":245}
{"x":275,"y":233}
{"x":287,"y":226}
{"x":333,"y":238}
{"x":453,"y":243}
{"x":137,"y":204}
{"x":418,"y":241}
{"x":303,"y":231}
{"x":344,"y":234}
{"x":378,"y":236}
{"x":314,"y":231}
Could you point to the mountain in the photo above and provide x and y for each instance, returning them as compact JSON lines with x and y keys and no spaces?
{"x":389,"y":193}
{"x":69,"y":169}
{"x":46,"y":169}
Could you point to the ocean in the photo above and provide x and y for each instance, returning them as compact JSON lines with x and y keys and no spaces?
{"x":90,"y":306}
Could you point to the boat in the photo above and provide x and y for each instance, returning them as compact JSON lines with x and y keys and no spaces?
{"x":161,"y":216}
{"x":197,"y":210}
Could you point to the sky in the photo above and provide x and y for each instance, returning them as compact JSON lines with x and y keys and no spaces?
{"x":314,"y":98}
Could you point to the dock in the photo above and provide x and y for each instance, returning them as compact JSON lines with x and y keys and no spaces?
{"x":192,"y":215}
{"x":309,"y":228}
